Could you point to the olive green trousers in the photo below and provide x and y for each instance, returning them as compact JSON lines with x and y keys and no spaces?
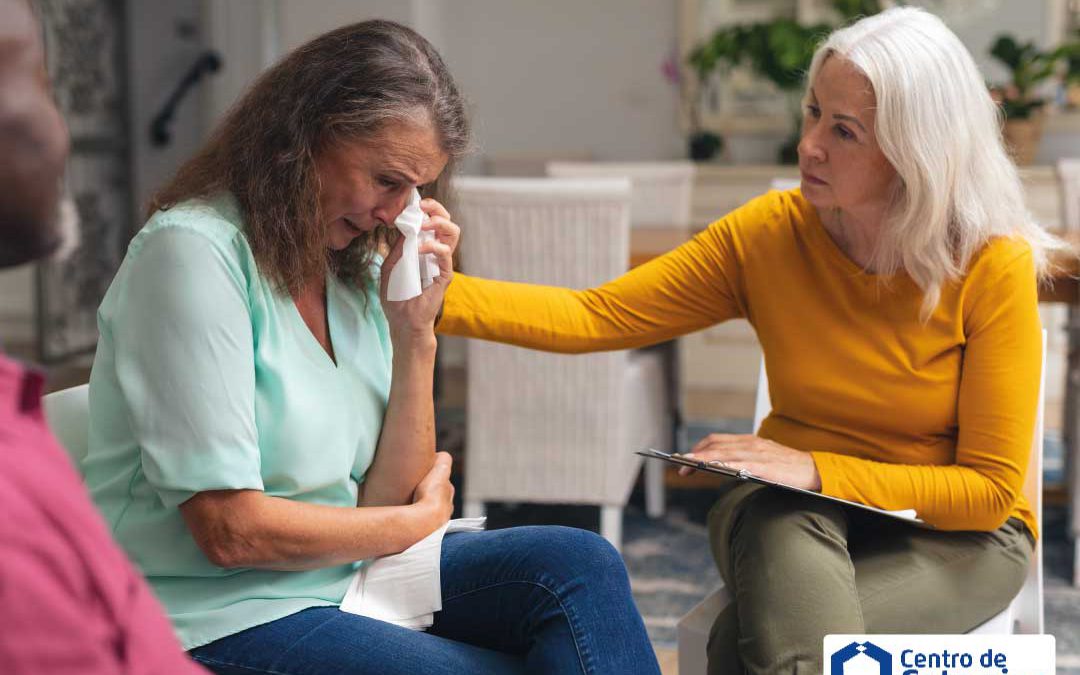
{"x":800,"y":568}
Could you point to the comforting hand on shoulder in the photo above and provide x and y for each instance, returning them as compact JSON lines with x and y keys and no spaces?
{"x":761,"y":457}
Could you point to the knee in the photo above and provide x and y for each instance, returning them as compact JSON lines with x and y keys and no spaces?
{"x":769,"y":518}
{"x":581,"y":554}
{"x":586,"y":550}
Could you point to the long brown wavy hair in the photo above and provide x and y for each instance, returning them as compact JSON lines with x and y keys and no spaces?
{"x":343,"y":86}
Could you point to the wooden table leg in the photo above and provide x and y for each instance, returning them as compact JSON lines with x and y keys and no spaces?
{"x":1071,"y":432}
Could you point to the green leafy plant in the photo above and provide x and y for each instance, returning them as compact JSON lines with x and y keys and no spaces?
{"x":779,"y":50}
{"x":1029,"y":67}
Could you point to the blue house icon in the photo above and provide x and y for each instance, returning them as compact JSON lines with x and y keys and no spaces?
{"x":841,"y":657}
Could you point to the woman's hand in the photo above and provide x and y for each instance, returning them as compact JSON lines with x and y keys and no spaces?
{"x":761,"y":457}
{"x":414,"y":319}
{"x":435,"y":493}
{"x":445,"y":230}
{"x":440,"y":223}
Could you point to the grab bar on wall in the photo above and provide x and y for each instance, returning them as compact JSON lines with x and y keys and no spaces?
{"x":208,"y":62}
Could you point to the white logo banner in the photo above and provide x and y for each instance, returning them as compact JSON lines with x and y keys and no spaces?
{"x":939,"y":655}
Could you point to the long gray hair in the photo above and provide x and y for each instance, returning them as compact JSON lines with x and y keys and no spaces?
{"x":939,"y":128}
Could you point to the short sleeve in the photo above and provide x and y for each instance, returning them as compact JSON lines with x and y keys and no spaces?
{"x":184,"y":352}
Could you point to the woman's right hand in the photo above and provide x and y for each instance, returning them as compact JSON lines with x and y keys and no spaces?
{"x":434,"y":493}
{"x":412,"y":322}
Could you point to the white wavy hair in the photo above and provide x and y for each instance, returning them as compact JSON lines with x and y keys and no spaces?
{"x":941,"y":131}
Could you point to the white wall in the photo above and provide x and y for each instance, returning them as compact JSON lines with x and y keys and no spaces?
{"x":561,"y":76}
{"x":301,"y":20}
{"x":564,"y":76}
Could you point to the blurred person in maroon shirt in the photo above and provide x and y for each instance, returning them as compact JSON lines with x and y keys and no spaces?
{"x":70,"y":601}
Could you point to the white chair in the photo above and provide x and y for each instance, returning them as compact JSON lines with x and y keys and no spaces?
{"x":543,"y":427}
{"x":661,"y":196}
{"x":1023,"y":615}
{"x":68,"y":414}
{"x":661,"y":192}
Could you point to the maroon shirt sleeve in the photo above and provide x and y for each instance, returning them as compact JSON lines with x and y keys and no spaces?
{"x":71,"y":601}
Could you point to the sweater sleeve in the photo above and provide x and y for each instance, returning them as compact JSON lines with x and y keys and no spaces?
{"x":693,"y":286}
{"x":996,"y":410}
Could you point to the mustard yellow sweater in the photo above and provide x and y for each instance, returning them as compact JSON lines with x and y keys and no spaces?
{"x":898,"y":414}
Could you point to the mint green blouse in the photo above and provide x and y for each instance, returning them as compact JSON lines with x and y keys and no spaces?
{"x":207,"y":378}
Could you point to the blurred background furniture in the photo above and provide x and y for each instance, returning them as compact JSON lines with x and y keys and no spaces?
{"x":660,"y":200}
{"x":660,"y":192}
{"x":555,"y":428}
{"x":531,"y":164}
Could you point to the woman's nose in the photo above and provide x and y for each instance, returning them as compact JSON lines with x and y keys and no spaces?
{"x":391,"y":207}
{"x":810,"y":147}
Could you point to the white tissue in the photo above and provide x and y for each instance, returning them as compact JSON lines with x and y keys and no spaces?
{"x":405,"y":588}
{"x":411,"y":274}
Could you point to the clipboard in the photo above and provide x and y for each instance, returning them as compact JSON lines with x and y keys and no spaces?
{"x":908,"y":515}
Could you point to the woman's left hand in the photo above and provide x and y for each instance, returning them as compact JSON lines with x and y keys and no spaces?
{"x":761,"y":457}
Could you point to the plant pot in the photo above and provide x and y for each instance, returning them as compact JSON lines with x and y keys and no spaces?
{"x":704,"y":145}
{"x":1022,"y":138}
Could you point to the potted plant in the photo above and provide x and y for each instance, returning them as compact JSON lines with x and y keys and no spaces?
{"x":779,"y":50}
{"x":1020,"y":100}
{"x":702,"y":144}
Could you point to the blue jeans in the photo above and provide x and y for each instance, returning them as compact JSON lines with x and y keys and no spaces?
{"x":519,"y":600}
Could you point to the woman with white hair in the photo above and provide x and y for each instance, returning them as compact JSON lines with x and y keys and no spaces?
{"x":895,"y":299}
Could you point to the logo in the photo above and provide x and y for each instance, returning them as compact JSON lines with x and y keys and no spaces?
{"x":972,"y":654}
{"x":861,"y":657}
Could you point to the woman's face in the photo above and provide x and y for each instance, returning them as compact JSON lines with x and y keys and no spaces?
{"x":368,"y":183}
{"x":841,"y":164}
